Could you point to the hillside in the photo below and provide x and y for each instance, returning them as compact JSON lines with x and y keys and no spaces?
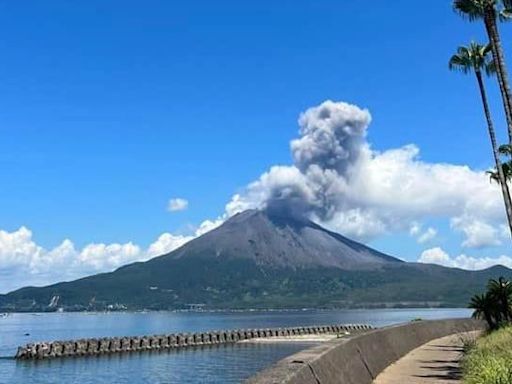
{"x":259,"y":260}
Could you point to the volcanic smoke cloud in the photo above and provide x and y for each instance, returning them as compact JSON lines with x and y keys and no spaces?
{"x":332,"y":141}
{"x":339,"y":181}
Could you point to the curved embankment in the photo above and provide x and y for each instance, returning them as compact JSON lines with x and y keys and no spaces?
{"x":107,"y":345}
{"x":359,"y":359}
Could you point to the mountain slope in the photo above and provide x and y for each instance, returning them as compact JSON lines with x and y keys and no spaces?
{"x":275,"y":241}
{"x":257,"y":259}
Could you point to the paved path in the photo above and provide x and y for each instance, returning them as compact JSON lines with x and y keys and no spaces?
{"x":435,"y":362}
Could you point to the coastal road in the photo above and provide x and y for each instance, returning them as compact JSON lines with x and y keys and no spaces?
{"x":435,"y":362}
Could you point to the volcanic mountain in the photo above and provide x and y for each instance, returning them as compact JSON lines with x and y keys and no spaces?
{"x":276,"y":241}
{"x":262,"y":259}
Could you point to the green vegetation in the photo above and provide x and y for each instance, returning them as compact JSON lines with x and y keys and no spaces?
{"x":489,"y":361}
{"x":165,"y":283}
{"x":495,"y":305}
{"x":504,"y":150}
{"x":475,"y":58}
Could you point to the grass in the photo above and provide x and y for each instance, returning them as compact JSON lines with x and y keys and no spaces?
{"x":489,"y":360}
{"x":468,"y":342}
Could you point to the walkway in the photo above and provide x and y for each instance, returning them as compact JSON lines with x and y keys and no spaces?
{"x":435,"y":362}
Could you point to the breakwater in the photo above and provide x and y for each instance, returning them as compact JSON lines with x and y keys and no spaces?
{"x":109,"y":345}
{"x":359,"y":359}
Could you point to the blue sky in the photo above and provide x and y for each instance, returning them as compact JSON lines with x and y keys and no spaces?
{"x":111,"y":108}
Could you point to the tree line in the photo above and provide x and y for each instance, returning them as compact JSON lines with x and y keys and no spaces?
{"x":489,"y":60}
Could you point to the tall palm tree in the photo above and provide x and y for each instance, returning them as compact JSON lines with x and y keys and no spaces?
{"x":490,"y":11}
{"x":501,"y":291}
{"x":476,"y":58}
{"x":484,"y":308}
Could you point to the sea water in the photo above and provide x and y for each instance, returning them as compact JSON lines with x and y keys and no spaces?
{"x":230,"y":363}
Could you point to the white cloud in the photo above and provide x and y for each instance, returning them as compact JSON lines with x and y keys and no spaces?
{"x":209,"y":225}
{"x":439,"y":256}
{"x":478,"y":233}
{"x":108,"y":256}
{"x":17,"y":248}
{"x":427,"y":236}
{"x":177,"y":204}
{"x":27,"y":263}
{"x":166,"y":243}
{"x":338,"y":180}
{"x":414,"y":229}
{"x":505,"y":232}
{"x":435,"y":256}
{"x":362,"y":224}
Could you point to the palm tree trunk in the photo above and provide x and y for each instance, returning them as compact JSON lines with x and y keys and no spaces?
{"x":489,"y":320}
{"x":492,"y":136}
{"x":498,"y":55}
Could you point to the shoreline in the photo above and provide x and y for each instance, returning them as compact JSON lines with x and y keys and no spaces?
{"x":234,"y":310}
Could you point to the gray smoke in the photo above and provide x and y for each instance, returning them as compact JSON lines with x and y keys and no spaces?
{"x":332,"y":137}
{"x":331,"y":142}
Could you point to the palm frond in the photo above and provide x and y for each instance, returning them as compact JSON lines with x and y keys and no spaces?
{"x":472,"y":57}
{"x":505,"y":149}
{"x":470,"y":9}
{"x":507,"y":170}
{"x":506,"y":12}
{"x":493,"y":176}
{"x":459,"y":63}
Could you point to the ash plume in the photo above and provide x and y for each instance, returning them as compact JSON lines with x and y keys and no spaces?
{"x":331,"y":142}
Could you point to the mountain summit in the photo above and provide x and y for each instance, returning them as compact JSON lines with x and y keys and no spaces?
{"x":260,"y":259}
{"x":274,"y":240}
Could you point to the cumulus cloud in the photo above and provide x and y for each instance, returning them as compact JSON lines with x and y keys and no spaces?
{"x":439,"y":256}
{"x":338,"y":180}
{"x":166,"y":243}
{"x":416,"y":230}
{"x":108,"y":256}
{"x":435,"y":256}
{"x":427,"y":236}
{"x":21,"y":255}
{"x":177,"y":204}
{"x":478,"y":233}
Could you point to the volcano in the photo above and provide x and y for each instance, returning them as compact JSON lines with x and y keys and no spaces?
{"x":260,"y":259}
{"x":277,"y":241}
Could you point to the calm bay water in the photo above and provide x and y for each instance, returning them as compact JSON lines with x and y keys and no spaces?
{"x":212,"y":364}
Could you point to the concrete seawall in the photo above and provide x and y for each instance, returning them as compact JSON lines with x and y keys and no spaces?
{"x":359,"y":359}
{"x":108,"y":345}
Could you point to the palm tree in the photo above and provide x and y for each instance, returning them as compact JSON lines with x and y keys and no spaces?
{"x":501,"y":292}
{"x":507,"y":171}
{"x":476,"y":58}
{"x":504,"y":150}
{"x":490,"y":11}
{"x":484,"y":308}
